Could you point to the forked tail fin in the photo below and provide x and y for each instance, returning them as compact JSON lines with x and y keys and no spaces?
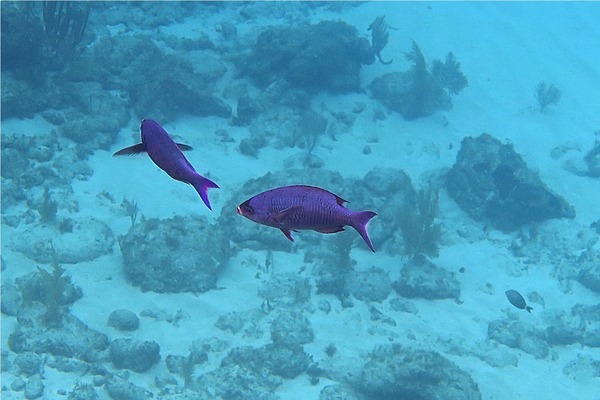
{"x":359,"y":221}
{"x":202,"y":184}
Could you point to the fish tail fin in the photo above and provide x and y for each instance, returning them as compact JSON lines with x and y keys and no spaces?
{"x":202,"y":184}
{"x":529,"y":309}
{"x":359,"y":221}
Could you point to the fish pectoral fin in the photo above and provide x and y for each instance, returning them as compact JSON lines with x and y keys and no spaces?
{"x":282,"y":215}
{"x":287,"y":234}
{"x":131,"y":150}
{"x":331,"y":230}
{"x":184,"y":147}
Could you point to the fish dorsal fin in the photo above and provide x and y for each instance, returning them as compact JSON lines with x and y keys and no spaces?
{"x":322,"y":191}
{"x":131,"y":150}
{"x":339,"y":200}
{"x":184,"y":147}
{"x":282,"y":215}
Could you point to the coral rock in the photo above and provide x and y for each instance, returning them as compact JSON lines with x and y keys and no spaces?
{"x":123,"y":320}
{"x":518,"y":335}
{"x":174,"y":255}
{"x":491,"y":182}
{"x":422,"y":278}
{"x":322,"y":57}
{"x":137,"y":356}
{"x":291,"y":328}
{"x":396,"y":372}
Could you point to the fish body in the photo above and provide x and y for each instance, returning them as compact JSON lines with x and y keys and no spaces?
{"x":169,"y":157}
{"x":517,"y":300}
{"x":299,"y":207}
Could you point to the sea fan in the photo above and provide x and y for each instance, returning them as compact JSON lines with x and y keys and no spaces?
{"x":379,"y":37}
{"x":418,"y":59}
{"x":420,"y":232}
{"x":448,"y":74}
{"x":546,"y":95}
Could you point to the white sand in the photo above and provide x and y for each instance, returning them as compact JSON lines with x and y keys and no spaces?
{"x":504,"y":50}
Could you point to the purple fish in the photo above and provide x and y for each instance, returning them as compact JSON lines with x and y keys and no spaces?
{"x":169,"y":157}
{"x":305,"y":208}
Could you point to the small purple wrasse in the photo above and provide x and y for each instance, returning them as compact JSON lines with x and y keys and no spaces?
{"x":169,"y":157}
{"x":292,"y":208}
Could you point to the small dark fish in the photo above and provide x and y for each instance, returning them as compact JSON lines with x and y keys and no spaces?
{"x":169,"y":157}
{"x":298,"y":207}
{"x":517,"y":300}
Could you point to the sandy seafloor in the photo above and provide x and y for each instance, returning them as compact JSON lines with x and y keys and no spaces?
{"x":504,"y":50}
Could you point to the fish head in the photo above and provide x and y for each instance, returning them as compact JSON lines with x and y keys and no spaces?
{"x":253,"y":210}
{"x":150,"y":129}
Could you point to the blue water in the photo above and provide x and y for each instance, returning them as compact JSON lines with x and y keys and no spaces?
{"x":470,"y":129}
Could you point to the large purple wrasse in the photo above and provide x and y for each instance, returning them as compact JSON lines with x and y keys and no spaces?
{"x":298,"y":207}
{"x":169,"y":157}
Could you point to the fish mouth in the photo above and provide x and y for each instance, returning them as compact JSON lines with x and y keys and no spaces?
{"x":239,"y":210}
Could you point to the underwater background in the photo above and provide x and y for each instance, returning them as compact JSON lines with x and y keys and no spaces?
{"x":471,"y":129}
